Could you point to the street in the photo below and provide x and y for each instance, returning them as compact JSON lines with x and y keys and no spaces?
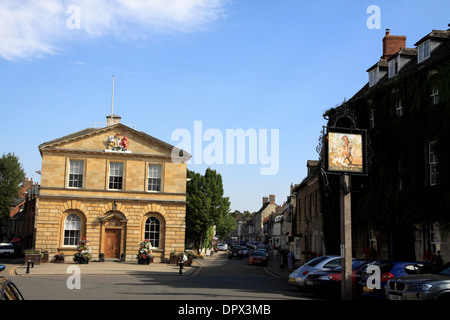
{"x":219,"y":279}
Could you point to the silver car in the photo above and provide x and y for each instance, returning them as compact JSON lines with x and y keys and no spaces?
{"x":420,"y":286}
{"x":298,"y":277}
{"x":6,"y":249}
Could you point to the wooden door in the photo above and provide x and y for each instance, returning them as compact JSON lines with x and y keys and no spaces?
{"x":112,"y":243}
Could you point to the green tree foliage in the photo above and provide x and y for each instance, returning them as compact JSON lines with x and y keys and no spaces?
{"x":206,"y":207}
{"x":11,"y":177}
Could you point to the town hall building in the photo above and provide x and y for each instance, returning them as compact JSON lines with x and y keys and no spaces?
{"x":114,"y":186}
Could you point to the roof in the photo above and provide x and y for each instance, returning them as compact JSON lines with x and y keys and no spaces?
{"x":404,"y":52}
{"x":380,"y":63}
{"x":439,"y":54}
{"x":91,"y":131}
{"x":435,"y":34}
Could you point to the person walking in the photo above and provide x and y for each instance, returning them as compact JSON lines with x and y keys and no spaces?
{"x":291,"y":260}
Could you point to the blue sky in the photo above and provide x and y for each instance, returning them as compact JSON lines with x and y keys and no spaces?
{"x":249,"y":64}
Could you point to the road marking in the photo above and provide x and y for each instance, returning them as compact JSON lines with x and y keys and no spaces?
{"x":12,"y":271}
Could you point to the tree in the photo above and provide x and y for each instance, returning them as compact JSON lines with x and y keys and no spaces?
{"x":206,"y":207}
{"x":197,"y":209}
{"x":220,"y":205}
{"x":11,"y":177}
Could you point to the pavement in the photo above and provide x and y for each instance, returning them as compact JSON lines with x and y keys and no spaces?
{"x":116,"y":267}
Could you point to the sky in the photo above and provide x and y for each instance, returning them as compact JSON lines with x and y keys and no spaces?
{"x":189,"y":71}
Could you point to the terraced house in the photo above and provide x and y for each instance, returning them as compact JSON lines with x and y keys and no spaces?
{"x":115,"y":186}
{"x":400,"y":210}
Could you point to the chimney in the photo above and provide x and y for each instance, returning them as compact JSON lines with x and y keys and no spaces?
{"x":272,"y":199}
{"x":392,"y":44}
{"x":27,"y":184}
{"x":110,"y":120}
{"x":265,"y":200}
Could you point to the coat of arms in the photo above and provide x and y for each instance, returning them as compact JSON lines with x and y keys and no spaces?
{"x":117,"y":143}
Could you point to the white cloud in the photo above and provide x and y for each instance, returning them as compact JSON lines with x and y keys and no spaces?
{"x":30,"y":28}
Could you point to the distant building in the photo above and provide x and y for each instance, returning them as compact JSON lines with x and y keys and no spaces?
{"x":307,"y":224}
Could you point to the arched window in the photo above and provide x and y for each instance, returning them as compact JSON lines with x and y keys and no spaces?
{"x":72,"y":229}
{"x":152,"y":231}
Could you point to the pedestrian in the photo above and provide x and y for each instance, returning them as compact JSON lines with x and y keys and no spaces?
{"x":284,"y":260}
{"x":291,"y":260}
{"x":182,"y":261}
{"x":275,"y":253}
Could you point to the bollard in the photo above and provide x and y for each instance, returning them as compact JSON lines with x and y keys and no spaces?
{"x":28,"y":266}
{"x":181,"y":268}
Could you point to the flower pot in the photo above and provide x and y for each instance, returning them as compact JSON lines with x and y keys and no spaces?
{"x":82,"y":260}
{"x":45,"y":258}
{"x":35,"y":258}
{"x":145,"y":260}
{"x":173,"y":260}
{"x":58,"y":259}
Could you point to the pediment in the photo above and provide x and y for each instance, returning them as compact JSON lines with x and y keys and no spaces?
{"x":116,"y":138}
{"x":113,"y":219}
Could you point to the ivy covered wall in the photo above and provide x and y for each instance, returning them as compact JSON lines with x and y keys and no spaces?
{"x":396,"y":196}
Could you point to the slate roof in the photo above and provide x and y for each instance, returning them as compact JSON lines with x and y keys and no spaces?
{"x":439,"y":54}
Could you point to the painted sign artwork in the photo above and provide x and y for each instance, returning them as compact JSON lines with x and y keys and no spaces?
{"x":345,"y":152}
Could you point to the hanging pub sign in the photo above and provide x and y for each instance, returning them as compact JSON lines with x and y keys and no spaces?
{"x":345,"y":151}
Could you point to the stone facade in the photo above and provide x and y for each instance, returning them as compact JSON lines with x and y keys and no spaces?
{"x":83,"y":194}
{"x":308,"y":216}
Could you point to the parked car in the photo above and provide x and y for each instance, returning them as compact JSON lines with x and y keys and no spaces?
{"x":297,"y":278}
{"x":420,"y":286}
{"x":253,"y":245}
{"x":235,"y":251}
{"x":329,"y":281}
{"x":262,"y":246}
{"x":222,"y":247}
{"x":244,"y":251}
{"x":8,"y":290}
{"x":390,"y":270}
{"x":6,"y":249}
{"x":258,"y":258}
{"x":263,"y":251}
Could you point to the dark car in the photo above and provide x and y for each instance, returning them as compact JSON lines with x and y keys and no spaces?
{"x":8,"y":290}
{"x":258,"y":258}
{"x":235,"y":251}
{"x":325,"y":282}
{"x":390,"y":270}
{"x":420,"y":286}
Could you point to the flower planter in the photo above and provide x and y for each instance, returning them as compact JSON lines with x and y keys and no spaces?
{"x":58,"y":259}
{"x":173,"y":260}
{"x":34,"y":258}
{"x":82,"y":260}
{"x":145,"y":260}
{"x":83,"y":255}
{"x":45,"y":258}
